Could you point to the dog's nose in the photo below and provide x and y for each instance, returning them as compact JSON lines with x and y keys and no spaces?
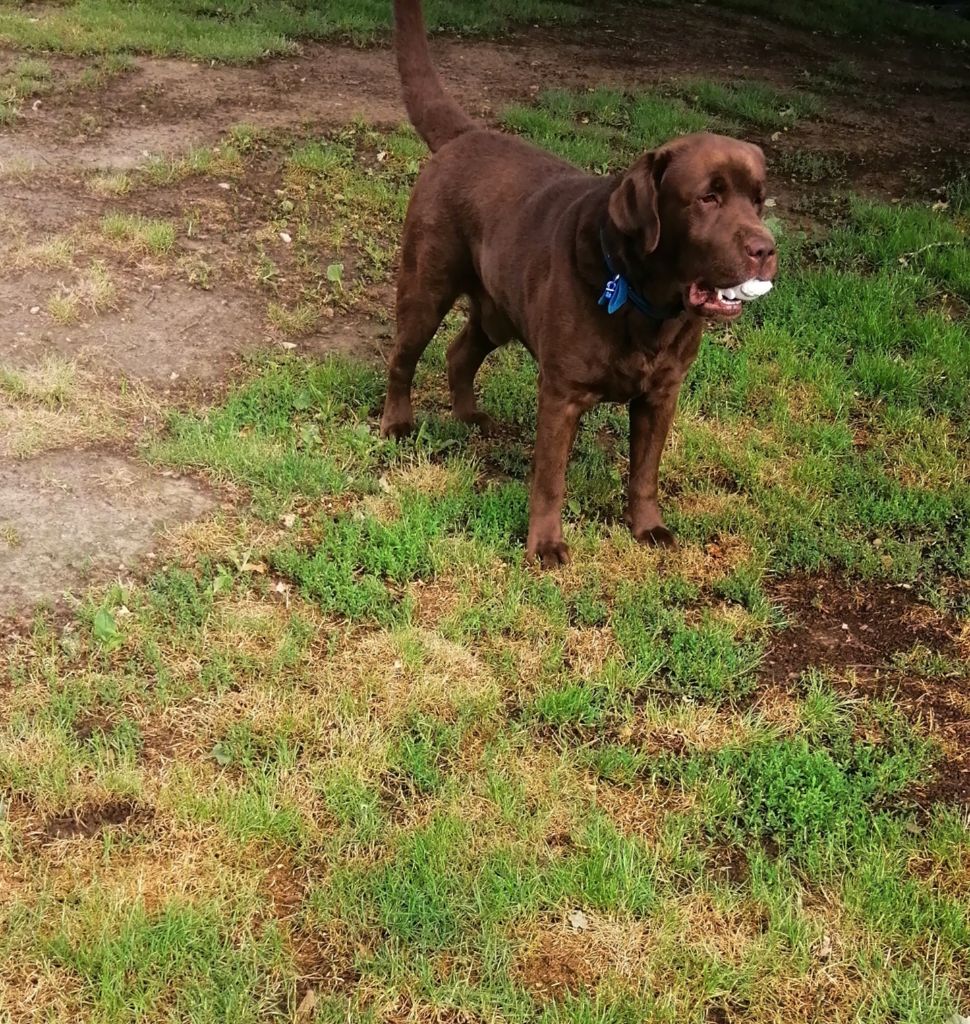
{"x":760,"y":248}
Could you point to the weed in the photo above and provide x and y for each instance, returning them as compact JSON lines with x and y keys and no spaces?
{"x":92,"y":293}
{"x":138,"y":234}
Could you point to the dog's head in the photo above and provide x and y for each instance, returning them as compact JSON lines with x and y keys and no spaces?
{"x":694,"y":207}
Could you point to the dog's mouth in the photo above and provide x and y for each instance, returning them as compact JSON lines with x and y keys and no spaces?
{"x":724,"y":303}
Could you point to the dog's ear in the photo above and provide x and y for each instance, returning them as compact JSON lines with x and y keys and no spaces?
{"x":634,"y":204}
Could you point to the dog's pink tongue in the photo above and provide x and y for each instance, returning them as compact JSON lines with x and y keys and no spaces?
{"x":699,"y":296}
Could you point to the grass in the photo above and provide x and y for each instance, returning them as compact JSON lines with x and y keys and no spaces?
{"x":138,"y":234}
{"x":337,"y":754}
{"x":751,"y":102}
{"x":109,"y":183}
{"x":296,"y":322}
{"x":606,"y":129}
{"x":92,"y":293}
{"x":808,"y":167}
{"x":237,"y":31}
{"x":54,"y":405}
{"x":29,"y":77}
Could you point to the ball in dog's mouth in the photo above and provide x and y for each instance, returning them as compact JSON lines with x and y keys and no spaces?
{"x":725,"y":303}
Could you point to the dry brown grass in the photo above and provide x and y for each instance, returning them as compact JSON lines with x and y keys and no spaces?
{"x":92,"y":292}
{"x":56,"y":252}
{"x":33,"y":991}
{"x":639,"y":811}
{"x":689,"y":728}
{"x":56,"y":405}
{"x":572,"y":954}
{"x":587,"y":651}
{"x":715,"y":927}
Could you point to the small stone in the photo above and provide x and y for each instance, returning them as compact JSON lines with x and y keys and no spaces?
{"x":578,"y":921}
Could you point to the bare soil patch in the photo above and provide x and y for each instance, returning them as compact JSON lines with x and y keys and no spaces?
{"x":90,"y":820}
{"x":850,"y":627}
{"x":166,"y":106}
{"x":858,"y":631}
{"x":71,"y":517}
{"x":162,"y":333}
{"x":944,"y":707}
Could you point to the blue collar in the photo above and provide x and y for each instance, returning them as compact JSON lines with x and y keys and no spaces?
{"x":618,"y":293}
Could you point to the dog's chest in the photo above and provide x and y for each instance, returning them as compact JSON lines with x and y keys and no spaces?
{"x":643,"y":368}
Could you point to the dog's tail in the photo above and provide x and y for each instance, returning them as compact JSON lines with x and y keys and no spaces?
{"x":435,"y":115}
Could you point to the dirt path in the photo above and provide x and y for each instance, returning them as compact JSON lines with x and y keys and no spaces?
{"x":900,"y":127}
{"x":74,"y":516}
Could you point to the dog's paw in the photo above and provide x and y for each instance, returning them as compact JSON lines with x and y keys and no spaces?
{"x":396,"y":428}
{"x":658,"y":537}
{"x":548,"y":554}
{"x":487,"y":425}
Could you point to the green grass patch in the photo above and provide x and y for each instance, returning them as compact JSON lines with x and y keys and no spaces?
{"x":180,"y":960}
{"x":139,"y":235}
{"x":753,"y":103}
{"x":237,"y":31}
{"x":604,"y":129}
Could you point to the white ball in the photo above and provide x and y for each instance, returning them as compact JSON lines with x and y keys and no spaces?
{"x":753,"y":289}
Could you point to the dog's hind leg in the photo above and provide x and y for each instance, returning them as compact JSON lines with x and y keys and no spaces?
{"x":419,"y":314}
{"x":484,"y":332}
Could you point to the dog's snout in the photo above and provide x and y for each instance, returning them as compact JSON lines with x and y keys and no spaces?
{"x":761,"y":247}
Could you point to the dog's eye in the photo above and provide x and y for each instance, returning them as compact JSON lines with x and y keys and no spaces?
{"x":710,"y":198}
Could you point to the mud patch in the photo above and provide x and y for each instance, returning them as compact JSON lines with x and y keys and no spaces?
{"x":90,"y":820}
{"x":858,"y":628}
{"x":860,"y":632}
{"x":71,"y":517}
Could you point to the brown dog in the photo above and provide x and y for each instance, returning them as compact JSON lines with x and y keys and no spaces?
{"x":532,"y":241}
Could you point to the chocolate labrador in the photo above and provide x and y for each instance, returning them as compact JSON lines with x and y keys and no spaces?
{"x":606,"y":280}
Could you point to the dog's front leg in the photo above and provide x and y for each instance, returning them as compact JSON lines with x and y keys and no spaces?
{"x":559,"y":416}
{"x":650,"y":419}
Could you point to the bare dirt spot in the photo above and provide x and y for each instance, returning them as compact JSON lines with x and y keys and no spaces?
{"x":90,"y":820}
{"x":161,"y":335}
{"x":860,"y":632}
{"x":553,"y":970}
{"x":944,"y":707}
{"x":70,"y":517}
{"x":161,"y":330}
{"x":835,"y":625}
{"x":564,"y":958}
